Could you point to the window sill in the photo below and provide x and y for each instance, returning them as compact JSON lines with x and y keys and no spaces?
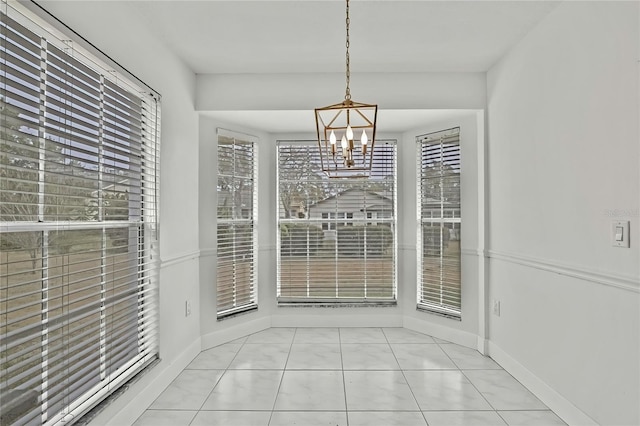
{"x":337,"y":304}
{"x":235,"y":313}
{"x":442,"y":312}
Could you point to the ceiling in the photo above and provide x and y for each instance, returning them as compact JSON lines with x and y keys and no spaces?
{"x":309,"y":36}
{"x":301,"y":36}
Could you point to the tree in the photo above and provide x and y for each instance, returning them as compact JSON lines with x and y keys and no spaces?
{"x":441,"y":181}
{"x":18,"y":181}
{"x":68,"y":191}
{"x":235,"y":178}
{"x":302,"y":182}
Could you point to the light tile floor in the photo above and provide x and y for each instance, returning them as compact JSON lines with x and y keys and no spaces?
{"x":345,"y":377}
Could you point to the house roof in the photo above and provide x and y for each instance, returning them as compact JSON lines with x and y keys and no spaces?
{"x":374,"y":196}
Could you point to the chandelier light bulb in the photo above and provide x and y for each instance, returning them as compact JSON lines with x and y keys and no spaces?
{"x":364,"y":139}
{"x":332,"y":138}
{"x":349,"y":132}
{"x":344,"y":144}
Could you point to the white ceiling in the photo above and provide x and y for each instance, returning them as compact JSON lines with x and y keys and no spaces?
{"x":274,"y":36}
{"x":309,"y":36}
{"x":299,"y":36}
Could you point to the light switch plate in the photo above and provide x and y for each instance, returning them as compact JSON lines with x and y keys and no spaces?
{"x":620,"y":227}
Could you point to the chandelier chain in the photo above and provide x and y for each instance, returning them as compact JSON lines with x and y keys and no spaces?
{"x":347,"y":95}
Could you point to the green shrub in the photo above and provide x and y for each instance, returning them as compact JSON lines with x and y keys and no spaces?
{"x":298,"y":239}
{"x":352,"y":240}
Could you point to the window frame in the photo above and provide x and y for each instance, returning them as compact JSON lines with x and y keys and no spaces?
{"x":331,"y":222}
{"x":139,"y":220}
{"x":233,"y":307}
{"x":450,"y":265}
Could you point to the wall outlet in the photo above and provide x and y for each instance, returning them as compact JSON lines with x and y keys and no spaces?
{"x":187,"y":308}
{"x":496,"y":308}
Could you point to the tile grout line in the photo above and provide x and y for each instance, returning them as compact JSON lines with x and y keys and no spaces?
{"x":469,"y":380}
{"x":344,"y":380}
{"x":405,"y":378}
{"x":221,"y":376}
{"x":284,"y":369}
{"x":341,"y":344}
{"x":502,"y":418}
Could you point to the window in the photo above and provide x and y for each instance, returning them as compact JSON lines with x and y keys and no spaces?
{"x":237,"y":215}
{"x":78,"y":295}
{"x":332,"y":223}
{"x":332,"y":253}
{"x":439,"y":222}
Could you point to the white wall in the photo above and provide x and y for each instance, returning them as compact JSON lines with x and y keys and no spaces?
{"x":563,"y":162}
{"x":402,"y":90}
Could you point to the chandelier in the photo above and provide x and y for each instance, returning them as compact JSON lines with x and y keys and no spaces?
{"x":344,"y":122}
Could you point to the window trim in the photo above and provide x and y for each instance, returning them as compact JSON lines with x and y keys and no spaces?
{"x":350,"y":222}
{"x":252,"y":221}
{"x":422,"y":305}
{"x":146,"y":250}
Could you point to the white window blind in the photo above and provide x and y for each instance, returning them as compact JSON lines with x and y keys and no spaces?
{"x":237,"y":216}
{"x":329,"y":249}
{"x":78,"y":157}
{"x":439,"y":222}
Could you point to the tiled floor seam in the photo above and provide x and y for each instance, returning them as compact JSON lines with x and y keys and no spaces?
{"x":284,"y":370}
{"x":405,"y":377}
{"x":472,"y":384}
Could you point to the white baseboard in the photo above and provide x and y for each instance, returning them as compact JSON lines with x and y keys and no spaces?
{"x":126,"y":409}
{"x":568,"y":412}
{"x":482,"y":346}
{"x":449,"y":334}
{"x":333,"y":320}
{"x":234,"y":332}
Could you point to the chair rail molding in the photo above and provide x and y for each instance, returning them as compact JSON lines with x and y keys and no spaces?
{"x":622,"y":282}
{"x":179,"y":258}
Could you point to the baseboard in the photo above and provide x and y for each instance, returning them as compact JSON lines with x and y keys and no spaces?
{"x":234,"y":332}
{"x":449,"y":334}
{"x":482,"y":346}
{"x":331,"y":319}
{"x":126,"y":409}
{"x":568,"y":412}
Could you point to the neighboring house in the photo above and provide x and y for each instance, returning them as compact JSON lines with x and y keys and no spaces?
{"x":352,"y":205}
{"x":449,"y":211}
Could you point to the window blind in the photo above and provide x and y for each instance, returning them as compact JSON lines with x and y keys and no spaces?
{"x":237,"y":216}
{"x":78,"y":160}
{"x":336,"y":239}
{"x":439,"y":288}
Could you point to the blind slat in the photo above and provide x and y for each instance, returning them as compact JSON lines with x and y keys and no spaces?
{"x":337,"y":237}
{"x":236,"y":233}
{"x":439,"y":257}
{"x":78,"y":294}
